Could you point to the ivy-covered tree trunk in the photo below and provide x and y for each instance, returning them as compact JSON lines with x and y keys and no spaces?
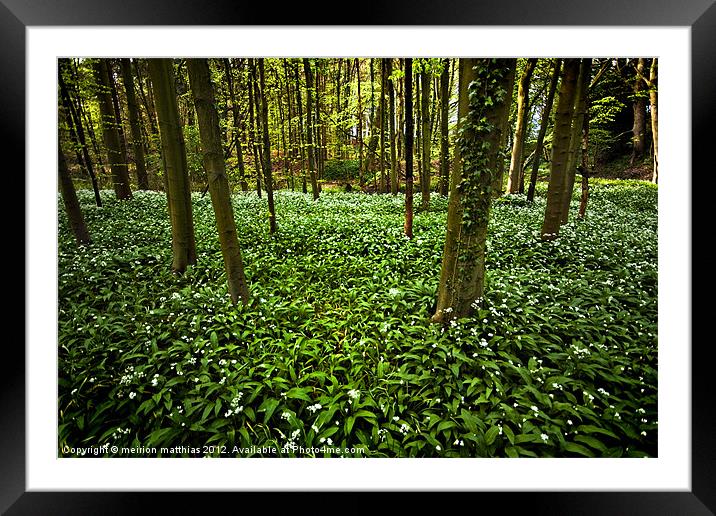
{"x":210,"y":134}
{"x":309,"y":128}
{"x":175,"y":166}
{"x":560,"y":150}
{"x":444,"y":137}
{"x":523,"y":91}
{"x":425,"y":84}
{"x":639,"y":108}
{"x":72,"y":205}
{"x":483,"y":92}
{"x":268,"y":175}
{"x":134,"y":125}
{"x":110,"y":132}
{"x":544,"y":123}
{"x":408,"y":147}
{"x":580,"y":113}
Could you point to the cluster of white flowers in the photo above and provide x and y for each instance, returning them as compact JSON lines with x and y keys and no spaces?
{"x":314,"y":408}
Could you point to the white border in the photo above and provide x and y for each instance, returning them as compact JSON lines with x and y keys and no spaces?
{"x":671,"y":471}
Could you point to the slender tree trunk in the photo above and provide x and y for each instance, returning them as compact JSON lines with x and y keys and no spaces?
{"x":360,"y":129}
{"x":291,"y":133}
{"x":425,"y":84}
{"x":639,"y":107}
{"x":268,"y":177}
{"x":236,"y":129}
{"x":408,"y":147}
{"x":444,"y":139}
{"x":309,"y":128}
{"x":72,"y":205}
{"x":544,"y":123}
{"x":175,"y":166}
{"x":75,"y":123}
{"x":580,"y":111}
{"x":149,"y":108}
{"x":394,"y":181}
{"x":210,"y":134}
{"x":299,"y":105}
{"x":418,"y":131}
{"x":653,"y":101}
{"x":134,"y":125}
{"x":523,"y":92}
{"x":110,"y":132}
{"x":482,"y":96}
{"x":498,"y":184}
{"x":586,"y":169}
{"x":254,"y":133}
{"x":560,"y":150}
{"x":118,"y":116}
{"x":384,"y":182}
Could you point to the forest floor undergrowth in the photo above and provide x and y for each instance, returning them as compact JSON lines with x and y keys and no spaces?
{"x":335,"y":355}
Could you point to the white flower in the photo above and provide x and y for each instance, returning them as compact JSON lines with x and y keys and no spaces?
{"x":132,"y":395}
{"x":437,"y":447}
{"x":353,"y":394}
{"x":329,"y":441}
{"x":544,"y":437}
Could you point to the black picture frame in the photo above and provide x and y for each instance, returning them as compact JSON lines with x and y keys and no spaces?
{"x":16,"y":15}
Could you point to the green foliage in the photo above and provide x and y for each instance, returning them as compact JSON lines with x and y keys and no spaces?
{"x":335,"y":349}
{"x":337,"y":169}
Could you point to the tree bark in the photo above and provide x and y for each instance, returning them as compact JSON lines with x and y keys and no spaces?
{"x":483,"y":93}
{"x":499,"y":178}
{"x":134,"y":125}
{"x":309,"y":128}
{"x":268,"y":177}
{"x":110,"y":132}
{"x":175,"y":166}
{"x":444,"y":137}
{"x":639,"y":108}
{"x":408,"y":147}
{"x":75,"y":123}
{"x":210,"y":134}
{"x":425,"y":84}
{"x":514,"y":183}
{"x":72,"y":205}
{"x":253,"y":122}
{"x":580,"y":112}
{"x":544,"y":123}
{"x":394,"y":182}
{"x":653,"y":101}
{"x":560,"y":150}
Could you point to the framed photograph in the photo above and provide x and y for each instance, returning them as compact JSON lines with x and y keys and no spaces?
{"x":675,"y":479}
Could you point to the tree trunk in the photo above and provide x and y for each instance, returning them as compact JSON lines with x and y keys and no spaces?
{"x":360,"y":128}
{"x":309,"y":128}
{"x":408,"y":147}
{"x":110,"y":132}
{"x":499,"y":178}
{"x":124,"y":155}
{"x":268,"y":177}
{"x":75,"y":123}
{"x":544,"y":123}
{"x":253,"y":122}
{"x":137,"y":146}
{"x":299,"y":105}
{"x":483,"y":93}
{"x":560,"y":150}
{"x":514,"y":181}
{"x":236,"y":129}
{"x":425,"y":84}
{"x":394,"y":182}
{"x":653,"y":102}
{"x":384,"y":188}
{"x":72,"y":205}
{"x":210,"y":134}
{"x":175,"y":166}
{"x":444,"y":141}
{"x":639,"y":107}
{"x":580,"y":112}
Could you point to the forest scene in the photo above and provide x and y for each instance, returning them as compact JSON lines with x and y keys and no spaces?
{"x":357,"y":257}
